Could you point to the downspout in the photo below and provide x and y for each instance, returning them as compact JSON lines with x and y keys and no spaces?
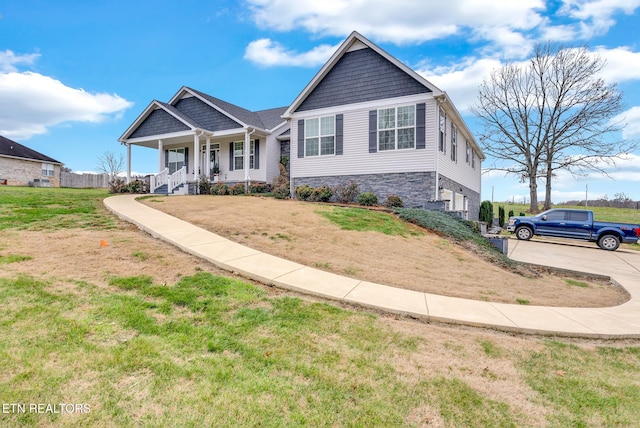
{"x":440,"y":99}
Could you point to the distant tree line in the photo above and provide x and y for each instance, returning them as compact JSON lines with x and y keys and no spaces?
{"x":620,"y":200}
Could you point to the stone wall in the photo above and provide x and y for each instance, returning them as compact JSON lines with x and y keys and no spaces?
{"x":416,"y":189}
{"x":472,"y":196}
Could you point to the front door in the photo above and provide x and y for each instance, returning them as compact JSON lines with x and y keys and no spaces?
{"x":214,"y":159}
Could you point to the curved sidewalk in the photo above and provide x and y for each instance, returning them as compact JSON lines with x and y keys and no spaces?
{"x":613,"y":322}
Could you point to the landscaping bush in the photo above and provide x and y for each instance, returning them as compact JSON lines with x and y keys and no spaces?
{"x":346,"y":193}
{"x":116,"y":185}
{"x":510,"y":214}
{"x":204,"y":185}
{"x":486,"y":212}
{"x":367,"y":199}
{"x":321,"y":194}
{"x":280,"y":184}
{"x":258,"y":188}
{"x":237,"y":189}
{"x":219,"y":189}
{"x":394,"y":201}
{"x":501,"y":216}
{"x":303,"y":192}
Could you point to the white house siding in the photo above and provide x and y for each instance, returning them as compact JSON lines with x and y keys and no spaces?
{"x":356,"y":158}
{"x":271,"y":156}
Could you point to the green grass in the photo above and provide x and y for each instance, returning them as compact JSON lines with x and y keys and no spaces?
{"x":52,"y":208}
{"x":209,"y":350}
{"x":362,"y":220}
{"x":13,"y":258}
{"x":585,"y":387}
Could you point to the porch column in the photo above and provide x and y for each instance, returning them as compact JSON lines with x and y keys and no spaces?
{"x":160,"y":155}
{"x":246,"y":158}
{"x":128,"y":163}
{"x":196,"y":156}
{"x":207,"y":161}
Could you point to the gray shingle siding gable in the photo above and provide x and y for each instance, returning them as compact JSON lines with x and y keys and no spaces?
{"x":208,"y":117}
{"x":359,"y":76}
{"x":157,"y":123}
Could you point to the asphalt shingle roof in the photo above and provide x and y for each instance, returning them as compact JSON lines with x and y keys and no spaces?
{"x":11,"y":148}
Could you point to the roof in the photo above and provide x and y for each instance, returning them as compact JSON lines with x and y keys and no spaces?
{"x":16,"y":150}
{"x":353,"y":43}
{"x":205,"y":112}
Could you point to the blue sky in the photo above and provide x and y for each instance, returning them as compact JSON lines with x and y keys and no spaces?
{"x":74,"y":75}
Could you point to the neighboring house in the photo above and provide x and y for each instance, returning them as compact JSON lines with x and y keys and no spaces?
{"x":22,"y":166}
{"x":364,"y":118}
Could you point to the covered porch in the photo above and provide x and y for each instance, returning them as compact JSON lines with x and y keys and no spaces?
{"x":229,"y":157}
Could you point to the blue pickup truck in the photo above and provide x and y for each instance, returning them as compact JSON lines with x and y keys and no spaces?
{"x":577,"y":224}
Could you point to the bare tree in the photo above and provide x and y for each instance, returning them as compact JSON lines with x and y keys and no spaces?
{"x":551,"y":114}
{"x":111,"y":164}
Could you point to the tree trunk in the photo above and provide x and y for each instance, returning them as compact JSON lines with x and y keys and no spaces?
{"x":547,"y":193}
{"x":533,"y":194}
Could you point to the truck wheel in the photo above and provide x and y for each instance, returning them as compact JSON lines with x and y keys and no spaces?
{"x":524,"y":233}
{"x":609,"y":242}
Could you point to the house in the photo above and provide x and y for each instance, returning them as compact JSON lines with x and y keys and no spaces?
{"x":22,"y":166}
{"x":365,"y":118}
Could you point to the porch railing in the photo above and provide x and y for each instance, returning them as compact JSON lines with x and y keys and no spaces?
{"x":171,"y":180}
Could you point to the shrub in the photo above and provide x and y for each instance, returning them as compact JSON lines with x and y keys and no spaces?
{"x":510,"y":214}
{"x":116,"y":185}
{"x":367,"y":199}
{"x":321,"y":194}
{"x":394,"y":201}
{"x":204,"y":185}
{"x":501,"y":216}
{"x":237,"y":189}
{"x":280,"y":184}
{"x":219,"y":189}
{"x":346,"y":193}
{"x":303,"y":192}
{"x":258,"y":188}
{"x":486,"y":212}
{"x":522,"y":214}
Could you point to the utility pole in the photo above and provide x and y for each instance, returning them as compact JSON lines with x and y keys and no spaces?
{"x":586,"y":196}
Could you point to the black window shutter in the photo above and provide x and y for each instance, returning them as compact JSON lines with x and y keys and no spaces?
{"x":166,"y":158}
{"x":420,"y":126}
{"x":256,"y":154}
{"x":186,"y":159}
{"x":373,"y":131}
{"x":230,"y":156}
{"x":339,"y":133}
{"x":301,"y":138}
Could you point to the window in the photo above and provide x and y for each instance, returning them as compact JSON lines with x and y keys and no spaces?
{"x":238,"y":154}
{"x":473,"y":159}
{"x":47,"y":170}
{"x":468,"y":154}
{"x":176,"y":160}
{"x":443,"y":130}
{"x":578,"y":216}
{"x":555,"y":216}
{"x":320,"y":136}
{"x":454,"y":143}
{"x":396,"y":128}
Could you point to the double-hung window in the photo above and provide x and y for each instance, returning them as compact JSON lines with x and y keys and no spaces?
{"x":468,"y":154}
{"x":454,"y":143}
{"x":396,"y":128}
{"x":47,"y":170}
{"x":238,"y":154}
{"x":320,"y":136}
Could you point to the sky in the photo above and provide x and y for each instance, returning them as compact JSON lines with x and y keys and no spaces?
{"x":75,"y":74}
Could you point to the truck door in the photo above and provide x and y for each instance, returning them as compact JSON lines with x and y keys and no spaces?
{"x":578,"y":225}
{"x":552,"y":223}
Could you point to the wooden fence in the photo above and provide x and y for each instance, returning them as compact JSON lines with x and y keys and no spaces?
{"x":79,"y":181}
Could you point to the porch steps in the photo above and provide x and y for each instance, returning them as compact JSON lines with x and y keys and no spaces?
{"x":178,"y":190}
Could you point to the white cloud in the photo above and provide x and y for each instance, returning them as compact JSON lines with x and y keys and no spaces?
{"x":622,"y":64}
{"x":631,"y":120}
{"x":402,"y":21}
{"x":595,"y":17}
{"x":31,"y":102}
{"x":267,"y":53}
{"x":9,"y":60}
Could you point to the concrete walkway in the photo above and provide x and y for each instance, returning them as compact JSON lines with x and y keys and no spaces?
{"x":613,"y":322}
